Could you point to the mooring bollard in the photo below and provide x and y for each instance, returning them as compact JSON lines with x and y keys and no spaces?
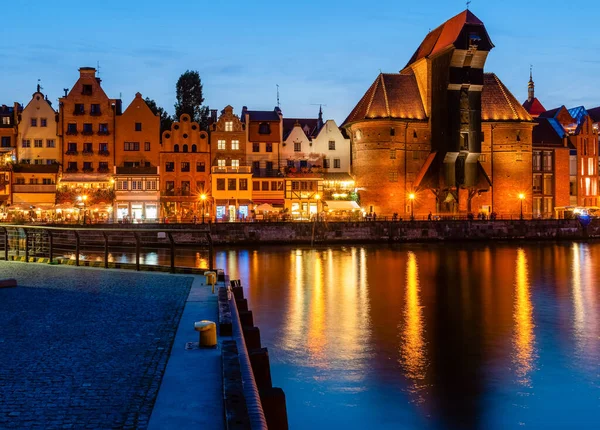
{"x":211,"y":278}
{"x":208,"y":333}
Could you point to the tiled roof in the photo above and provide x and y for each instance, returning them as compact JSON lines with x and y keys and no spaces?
{"x":445,"y":35}
{"x":548,"y":131}
{"x":595,"y":114}
{"x":263,"y":115}
{"x":498,"y":104}
{"x":534,"y":107}
{"x":392,"y":95}
{"x":311,"y":123}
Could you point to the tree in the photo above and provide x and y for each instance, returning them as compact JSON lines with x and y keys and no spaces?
{"x":165,"y":118}
{"x":190,"y":98}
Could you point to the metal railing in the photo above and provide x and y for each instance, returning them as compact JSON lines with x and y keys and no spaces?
{"x":49,"y":242}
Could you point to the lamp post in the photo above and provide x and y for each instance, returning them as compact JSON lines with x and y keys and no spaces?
{"x":83,"y":199}
{"x":203,"y":198}
{"x":411,"y":197}
{"x":521,"y":197}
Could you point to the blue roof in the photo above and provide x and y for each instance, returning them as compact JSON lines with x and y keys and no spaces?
{"x":578,"y":114}
{"x":557,"y":127}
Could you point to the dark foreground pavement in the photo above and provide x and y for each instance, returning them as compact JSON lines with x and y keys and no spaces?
{"x":84,"y":348}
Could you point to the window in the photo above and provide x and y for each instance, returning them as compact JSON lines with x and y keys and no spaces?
{"x":221,"y":162}
{"x":295,"y":185}
{"x":269,"y":147}
{"x":547,"y":161}
{"x":235,"y":163}
{"x":392,"y":131}
{"x":170,"y":186}
{"x":221,"y":144}
{"x":415,"y":155}
{"x":151,"y":185}
{"x":103,"y":148}
{"x":231,"y":184}
{"x":71,"y":128}
{"x":548,"y":184}
{"x":38,"y":161}
{"x":256,"y":168}
{"x":47,"y":181}
{"x":87,"y":90}
{"x":137,"y":185}
{"x":265,"y":185}
{"x":176,"y":148}
{"x":87,"y":166}
{"x":290,"y":163}
{"x":200,"y":166}
{"x":274,"y":185}
{"x":264,"y":128}
{"x":185,"y":188}
{"x":336,"y":163}
{"x":72,"y":148}
{"x":138,"y":126}
{"x":131,"y":146}
{"x":185,"y":148}
{"x":235,"y":144}
{"x":95,"y":109}
{"x":243,"y":184}
{"x":269,"y":166}
{"x":332,"y":145}
{"x":87,"y":147}
{"x":146,"y":146}
{"x":483,"y":158}
{"x":392,"y":154}
{"x":519,"y":156}
{"x":50,"y":143}
{"x":255,"y":147}
{"x":38,"y":143}
{"x":103,"y":128}
{"x":221,"y":184}
{"x":185,"y":166}
{"x":20,"y":181}
{"x":297,"y":146}
{"x":87,"y":128}
{"x":393,"y":176}
{"x":537,"y":160}
{"x":194,"y":148}
{"x":72,"y":166}
{"x":5,"y":120}
{"x":33,"y":181}
{"x":537,"y":183}
{"x":170,"y":166}
{"x":326,"y":163}
{"x":79,"y":109}
{"x":50,"y":161}
{"x":200,"y":186}
{"x":228,"y":125}
{"x":5,"y":143}
{"x":256,"y":186}
{"x":26,"y":143}
{"x":122,"y":185}
{"x":303,"y":164}
{"x":590,"y":166}
{"x":34,"y":122}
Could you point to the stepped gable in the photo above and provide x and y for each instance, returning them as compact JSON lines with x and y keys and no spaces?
{"x":391,"y":96}
{"x":498,"y":104}
{"x":448,"y":34}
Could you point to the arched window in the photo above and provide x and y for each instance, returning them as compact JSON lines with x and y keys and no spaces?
{"x":185,"y":148}
{"x":176,"y":148}
{"x":194,"y":148}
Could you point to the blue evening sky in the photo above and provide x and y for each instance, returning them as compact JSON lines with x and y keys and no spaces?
{"x":317,"y":51}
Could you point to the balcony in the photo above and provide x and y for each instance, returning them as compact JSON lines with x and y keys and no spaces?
{"x":87,"y":133}
{"x":88,"y":152}
{"x":34,"y":188}
{"x":71,"y":133}
{"x":72,"y":152}
{"x":104,"y":153}
{"x":230,"y":169}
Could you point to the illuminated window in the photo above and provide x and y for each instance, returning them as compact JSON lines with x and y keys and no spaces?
{"x":235,"y":144}
{"x":393,"y":176}
{"x":151,"y":185}
{"x":221,"y":163}
{"x":221,"y":144}
{"x":590,"y":166}
{"x":229,"y":126}
{"x":136,"y":185}
{"x":519,"y":156}
{"x":392,"y":154}
{"x":235,"y":163}
{"x":588,"y":186}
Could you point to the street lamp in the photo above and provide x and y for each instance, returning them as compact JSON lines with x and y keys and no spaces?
{"x":411,"y":197}
{"x":83,"y":199}
{"x":521,"y":197}
{"x":203,"y":198}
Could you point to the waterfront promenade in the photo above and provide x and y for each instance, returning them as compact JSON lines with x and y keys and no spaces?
{"x":87,"y":348}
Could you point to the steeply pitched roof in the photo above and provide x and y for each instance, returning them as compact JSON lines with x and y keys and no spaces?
{"x":393,"y":96}
{"x":263,"y":115}
{"x":498,"y":104}
{"x":534,"y":107}
{"x":306,"y":123}
{"x":446,"y":35}
{"x":595,"y":114}
{"x":548,"y":131}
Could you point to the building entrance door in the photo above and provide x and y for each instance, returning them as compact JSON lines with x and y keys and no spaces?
{"x":231,"y":213}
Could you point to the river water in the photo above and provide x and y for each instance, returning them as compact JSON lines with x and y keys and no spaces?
{"x":428,"y":336}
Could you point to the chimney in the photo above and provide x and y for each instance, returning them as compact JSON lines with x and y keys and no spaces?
{"x":244,"y":113}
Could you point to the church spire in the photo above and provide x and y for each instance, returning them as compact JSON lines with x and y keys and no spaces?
{"x":530,"y":86}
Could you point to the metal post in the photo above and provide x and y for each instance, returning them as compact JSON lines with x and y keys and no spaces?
{"x":26,"y":246}
{"x":51,"y":245}
{"x":76,"y":247}
{"x":172,"y":251}
{"x":105,"y":249}
{"x":137,"y":250}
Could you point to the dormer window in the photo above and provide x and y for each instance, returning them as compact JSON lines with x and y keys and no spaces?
{"x":228,"y":125}
{"x":264,"y":128}
{"x":87,"y":90}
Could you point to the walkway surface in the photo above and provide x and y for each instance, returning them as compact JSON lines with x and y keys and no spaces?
{"x":85,"y":348}
{"x":191,"y":393}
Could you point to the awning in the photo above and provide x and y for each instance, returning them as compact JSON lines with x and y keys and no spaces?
{"x":342,"y":205}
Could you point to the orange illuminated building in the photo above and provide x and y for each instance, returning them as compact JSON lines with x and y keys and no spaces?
{"x":443,"y":130}
{"x":184,"y":170}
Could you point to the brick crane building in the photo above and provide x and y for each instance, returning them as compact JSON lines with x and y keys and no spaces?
{"x":443,"y":132}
